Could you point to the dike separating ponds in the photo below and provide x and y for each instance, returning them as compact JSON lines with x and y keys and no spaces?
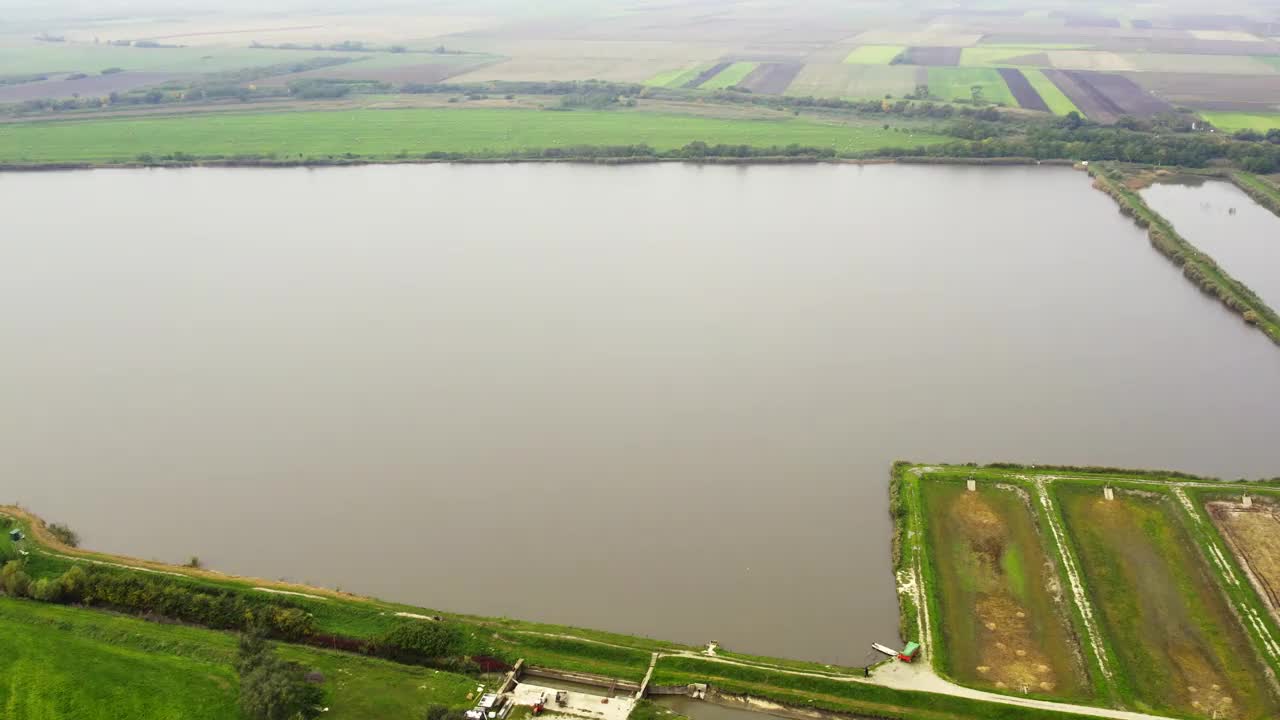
{"x":793,"y":688}
{"x":1183,"y":498}
{"x":1196,"y":266}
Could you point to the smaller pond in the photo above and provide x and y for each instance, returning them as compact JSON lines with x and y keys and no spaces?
{"x":1221,"y":220}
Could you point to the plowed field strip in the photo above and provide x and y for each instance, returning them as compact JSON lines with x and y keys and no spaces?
{"x":1022,"y":91}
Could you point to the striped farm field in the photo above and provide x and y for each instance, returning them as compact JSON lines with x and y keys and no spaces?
{"x":730,"y":76}
{"x":677,"y":77}
{"x":1058,"y":102}
{"x":958,"y":83}
{"x":874,"y":54}
{"x":854,"y":81}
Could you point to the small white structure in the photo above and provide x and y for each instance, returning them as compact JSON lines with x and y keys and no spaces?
{"x":1108,"y":493}
{"x":1247,"y":502}
{"x":972,"y":484}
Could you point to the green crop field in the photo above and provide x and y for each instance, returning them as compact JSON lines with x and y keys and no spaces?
{"x":676,"y":78}
{"x":1002,"y":628}
{"x":1058,"y":102}
{"x":386,"y":133}
{"x":61,"y":662}
{"x":874,"y":54}
{"x":1177,"y":646}
{"x":1232,"y":121}
{"x":957,"y":83}
{"x":730,"y":76}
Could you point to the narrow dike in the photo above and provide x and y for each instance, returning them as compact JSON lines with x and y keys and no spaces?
{"x":1196,"y":266}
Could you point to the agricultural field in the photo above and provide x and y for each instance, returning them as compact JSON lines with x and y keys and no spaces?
{"x":1023,"y":92}
{"x":1232,"y":121}
{"x":856,"y":81}
{"x":387,"y":133}
{"x":63,"y":662}
{"x":957,"y":83}
{"x":874,"y":54}
{"x":1000,"y":602}
{"x":93,"y":59}
{"x":1176,"y":645}
{"x":772,"y":78}
{"x":678,"y":77}
{"x":730,"y":76}
{"x":1057,"y":102}
{"x":1253,"y":534}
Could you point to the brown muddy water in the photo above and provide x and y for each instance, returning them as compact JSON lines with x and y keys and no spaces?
{"x":1221,"y":220}
{"x":659,"y":399}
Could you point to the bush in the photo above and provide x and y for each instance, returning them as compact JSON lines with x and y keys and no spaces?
{"x":14,"y":580}
{"x":47,"y":590}
{"x":270,"y":688}
{"x":421,"y":640}
{"x":65,"y":535}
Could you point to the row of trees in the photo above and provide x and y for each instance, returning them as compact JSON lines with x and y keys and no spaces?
{"x":162,"y":596}
{"x":272,"y":688}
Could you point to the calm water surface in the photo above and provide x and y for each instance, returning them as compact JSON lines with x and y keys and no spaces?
{"x":1221,"y":220}
{"x":655,"y":399}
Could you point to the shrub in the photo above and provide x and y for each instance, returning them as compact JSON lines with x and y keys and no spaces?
{"x":421,"y":640}
{"x":14,"y":580}
{"x":65,"y":535}
{"x":47,"y":590}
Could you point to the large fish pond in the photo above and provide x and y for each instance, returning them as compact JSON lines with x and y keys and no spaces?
{"x":658,"y":399}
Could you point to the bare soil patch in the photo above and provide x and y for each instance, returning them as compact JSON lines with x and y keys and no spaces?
{"x":772,"y":78}
{"x":1259,"y":93}
{"x":423,"y":73}
{"x":1123,"y":94}
{"x":937,"y":56}
{"x":1093,"y":105}
{"x":1254,"y":537}
{"x":1022,"y":91}
{"x":92,"y":86}
{"x":998,"y":593}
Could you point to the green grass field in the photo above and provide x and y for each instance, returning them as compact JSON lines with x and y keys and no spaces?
{"x":1177,"y":647}
{"x":68,"y":662}
{"x":1058,"y":102}
{"x":61,"y":662}
{"x":992,"y":578}
{"x":957,"y":83}
{"x":729,"y":76}
{"x":385,"y":133}
{"x":676,"y":78}
{"x":874,"y":54}
{"x":1233,"y":121}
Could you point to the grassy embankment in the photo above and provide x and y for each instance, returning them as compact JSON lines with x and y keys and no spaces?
{"x":1003,"y":628}
{"x":627,"y":657}
{"x":63,"y":662}
{"x":1258,"y":188}
{"x":1178,"y":645}
{"x":1198,"y":267}
{"x":389,"y":135}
